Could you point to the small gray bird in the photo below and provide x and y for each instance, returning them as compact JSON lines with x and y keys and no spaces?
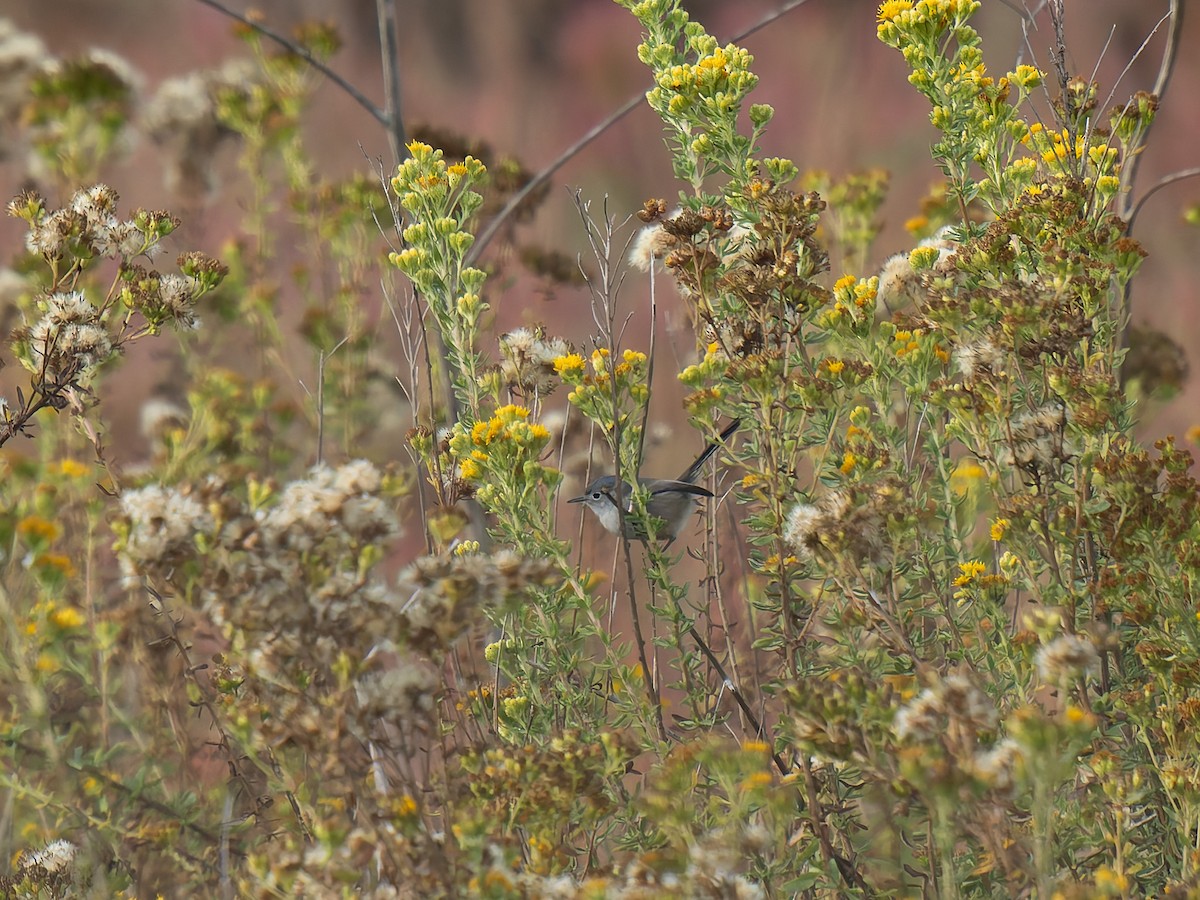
{"x":671,"y":501}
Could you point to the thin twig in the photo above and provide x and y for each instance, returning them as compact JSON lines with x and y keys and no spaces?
{"x":1129,"y":65}
{"x":1163,"y":182}
{"x":291,"y":46}
{"x":323,"y":358}
{"x":758,"y":727}
{"x":1028,"y":18}
{"x":1166,"y":67}
{"x":390,"y":55}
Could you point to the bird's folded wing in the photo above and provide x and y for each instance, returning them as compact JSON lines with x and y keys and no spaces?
{"x":682,"y":487}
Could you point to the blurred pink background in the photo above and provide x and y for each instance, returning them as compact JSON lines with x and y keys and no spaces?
{"x":531,"y":76}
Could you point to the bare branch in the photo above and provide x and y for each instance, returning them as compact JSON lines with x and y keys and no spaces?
{"x":292,"y":47}
{"x":1161,"y":83}
{"x":1163,"y":182}
{"x":389,"y":53}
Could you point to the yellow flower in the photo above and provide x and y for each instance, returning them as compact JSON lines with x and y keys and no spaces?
{"x":515,"y":706}
{"x":916,"y":224}
{"x":844,"y":283}
{"x":970,"y":571}
{"x":865,"y":292}
{"x":73,"y":468}
{"x":755,"y":747}
{"x":757,"y":779}
{"x":1027,"y":77}
{"x":999,"y":528}
{"x":511,"y":413}
{"x":836,"y":366}
{"x":419,"y":150}
{"x":571,"y":363}
{"x":38,"y":528}
{"x":892,"y":8}
{"x":1076,"y":716}
{"x":67,"y":617}
{"x":923,"y":258}
{"x":56,"y":561}
{"x":1100,"y":156}
{"x":718,"y":60}
{"x":849,"y":461}
{"x":1111,"y":881}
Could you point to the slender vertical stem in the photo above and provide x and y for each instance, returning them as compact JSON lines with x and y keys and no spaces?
{"x":389,"y":55}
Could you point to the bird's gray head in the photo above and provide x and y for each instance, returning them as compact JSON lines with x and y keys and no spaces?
{"x":602,"y":497}
{"x":670,"y":502}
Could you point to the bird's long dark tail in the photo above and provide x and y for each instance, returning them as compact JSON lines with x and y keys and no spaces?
{"x":693,"y":471}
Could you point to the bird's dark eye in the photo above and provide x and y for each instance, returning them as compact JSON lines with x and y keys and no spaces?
{"x":596,"y":495}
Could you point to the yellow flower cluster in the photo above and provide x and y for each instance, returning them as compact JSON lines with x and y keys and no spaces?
{"x":425,"y":172}
{"x":713,"y":364}
{"x":508,"y":423}
{"x":74,"y":469}
{"x":440,"y":201}
{"x":1053,"y":145}
{"x":852,"y":297}
{"x":901,"y":12}
{"x":593,"y":392}
{"x":720,"y":74}
{"x":35,"y":529}
{"x":973,"y":576}
{"x":905,"y":342}
{"x":569,"y":367}
{"x":48,"y":621}
{"x":498,"y":442}
{"x":1026,"y":77}
{"x":923,"y":20}
{"x":971,"y":570}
